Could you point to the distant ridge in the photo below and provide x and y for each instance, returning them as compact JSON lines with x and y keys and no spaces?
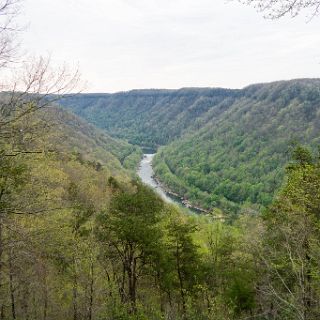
{"x":222,"y":147}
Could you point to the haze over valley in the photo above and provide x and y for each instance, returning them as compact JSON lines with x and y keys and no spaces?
{"x":217,"y":147}
{"x":187,"y":187}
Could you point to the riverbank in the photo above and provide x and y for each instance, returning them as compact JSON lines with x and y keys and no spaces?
{"x":146,"y":174}
{"x":181,"y":199}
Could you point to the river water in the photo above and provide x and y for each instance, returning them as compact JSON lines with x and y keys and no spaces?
{"x":145,"y":172}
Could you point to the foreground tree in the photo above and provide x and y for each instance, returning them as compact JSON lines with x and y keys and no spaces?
{"x":292,"y":247}
{"x":131,"y":232}
{"x":187,"y":262}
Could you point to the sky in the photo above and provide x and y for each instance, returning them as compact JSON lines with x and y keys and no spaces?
{"x":132,"y":44}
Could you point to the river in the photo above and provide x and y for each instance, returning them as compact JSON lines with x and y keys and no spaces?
{"x":146,"y":174}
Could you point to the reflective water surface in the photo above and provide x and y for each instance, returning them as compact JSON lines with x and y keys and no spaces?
{"x":146,"y":174}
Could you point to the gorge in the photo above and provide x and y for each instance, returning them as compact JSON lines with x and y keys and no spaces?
{"x":216,"y":147}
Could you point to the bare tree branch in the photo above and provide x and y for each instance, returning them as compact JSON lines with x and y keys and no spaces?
{"x":275,"y":9}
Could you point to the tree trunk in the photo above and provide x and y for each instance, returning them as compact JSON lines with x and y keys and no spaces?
{"x":75,"y":297}
{"x":13,"y":305}
{"x":132,"y":279}
{"x":161,"y":291}
{"x":25,"y":306}
{"x":45,"y":304}
{"x":2,"y":317}
{"x":307,"y":285}
{"x":182,"y":293}
{"x":123,"y":280}
{"x":1,"y":265}
{"x":45,"y":296}
{"x":91,"y":289}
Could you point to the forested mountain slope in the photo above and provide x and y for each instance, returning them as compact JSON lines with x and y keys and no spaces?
{"x":152,"y":117}
{"x":83,"y":241}
{"x":72,"y":134}
{"x":240,"y":157}
{"x":228,"y":146}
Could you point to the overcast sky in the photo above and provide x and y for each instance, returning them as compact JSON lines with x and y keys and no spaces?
{"x":128,"y":44}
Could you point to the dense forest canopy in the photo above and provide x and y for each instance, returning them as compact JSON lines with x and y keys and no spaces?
{"x":80,"y":241}
{"x":222,"y":148}
{"x":151,"y":117}
{"x":82,"y":238}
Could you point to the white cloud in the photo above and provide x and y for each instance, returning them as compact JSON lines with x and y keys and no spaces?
{"x":125,"y":44}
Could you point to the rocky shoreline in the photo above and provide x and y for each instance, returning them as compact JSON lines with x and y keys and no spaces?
{"x":146,"y":173}
{"x":183,"y":200}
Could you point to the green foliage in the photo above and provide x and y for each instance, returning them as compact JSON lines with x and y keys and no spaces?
{"x":240,"y":157}
{"x":241,"y":293}
{"x":291,"y":241}
{"x":132,"y":217}
{"x":13,"y":176}
{"x":91,"y":243}
{"x":88,"y":142}
{"x":151,"y":118}
{"x":222,"y":147}
{"x":114,"y":250}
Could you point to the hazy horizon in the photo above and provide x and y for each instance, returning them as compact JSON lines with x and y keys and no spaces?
{"x":121,"y":45}
{"x":192,"y":87}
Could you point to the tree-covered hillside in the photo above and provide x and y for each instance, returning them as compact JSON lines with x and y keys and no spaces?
{"x":222,"y":147}
{"x":81,"y":240}
{"x":240,"y":157}
{"x":72,"y":133}
{"x":152,"y":117}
